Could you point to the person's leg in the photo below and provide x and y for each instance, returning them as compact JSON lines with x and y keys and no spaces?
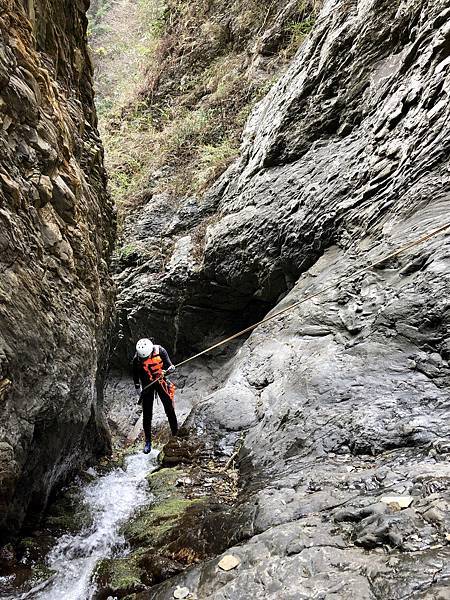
{"x":147,"y":413}
{"x":164,"y":393}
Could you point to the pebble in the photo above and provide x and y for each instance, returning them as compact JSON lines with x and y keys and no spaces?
{"x":181,"y":592}
{"x":401,"y":501}
{"x":229,"y":562}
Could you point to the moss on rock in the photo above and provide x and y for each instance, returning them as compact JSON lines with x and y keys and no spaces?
{"x":151,"y":525}
{"x":186,"y":522}
{"x":151,"y":534}
{"x":68,"y":512}
{"x":163,"y":481}
{"x":120,"y":576}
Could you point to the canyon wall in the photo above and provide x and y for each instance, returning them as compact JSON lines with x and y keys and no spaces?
{"x":57,"y":229}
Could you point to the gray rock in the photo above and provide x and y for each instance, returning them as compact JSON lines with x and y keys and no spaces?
{"x":344,"y":399}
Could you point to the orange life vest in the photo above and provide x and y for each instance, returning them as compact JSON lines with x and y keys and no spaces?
{"x":154,"y":366}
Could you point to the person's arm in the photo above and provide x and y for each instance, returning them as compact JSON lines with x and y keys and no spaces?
{"x":167,"y":363}
{"x":136,"y":379}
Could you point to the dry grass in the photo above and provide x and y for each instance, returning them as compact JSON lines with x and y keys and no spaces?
{"x":186,"y":79}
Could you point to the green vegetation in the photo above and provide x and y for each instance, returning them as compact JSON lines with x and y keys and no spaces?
{"x":98,"y":12}
{"x":121,"y":575}
{"x":122,"y":36}
{"x":126,"y":250}
{"x":299,"y":27}
{"x":213,"y":160}
{"x":300,"y":30}
{"x":150,"y":526}
{"x":176,"y":83}
{"x":68,"y":512}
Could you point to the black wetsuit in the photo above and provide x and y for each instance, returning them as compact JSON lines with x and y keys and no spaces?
{"x":140,"y":376}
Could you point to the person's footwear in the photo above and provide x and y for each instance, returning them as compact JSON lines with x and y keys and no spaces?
{"x":147,"y":447}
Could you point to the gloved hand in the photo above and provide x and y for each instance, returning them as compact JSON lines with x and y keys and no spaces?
{"x":138,"y":394}
{"x":171,"y":369}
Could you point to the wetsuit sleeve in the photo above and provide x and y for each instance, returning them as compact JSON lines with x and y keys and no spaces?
{"x":136,"y":372}
{"x":165,"y":358}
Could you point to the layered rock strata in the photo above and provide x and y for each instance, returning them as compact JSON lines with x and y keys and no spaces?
{"x":56,"y":234}
{"x":343,"y":401}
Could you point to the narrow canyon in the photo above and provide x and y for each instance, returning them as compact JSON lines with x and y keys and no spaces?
{"x":182,"y":171}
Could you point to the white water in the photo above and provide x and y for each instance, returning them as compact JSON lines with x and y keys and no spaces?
{"x":112,"y":500}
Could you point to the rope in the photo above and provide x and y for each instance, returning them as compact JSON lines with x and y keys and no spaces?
{"x":377,"y":263}
{"x":318,"y":293}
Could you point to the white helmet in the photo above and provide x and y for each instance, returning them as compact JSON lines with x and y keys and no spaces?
{"x":144,"y":348}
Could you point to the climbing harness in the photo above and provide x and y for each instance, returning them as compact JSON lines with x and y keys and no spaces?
{"x":377,"y":263}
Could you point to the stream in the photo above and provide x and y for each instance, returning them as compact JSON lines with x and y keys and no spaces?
{"x":112,"y":499}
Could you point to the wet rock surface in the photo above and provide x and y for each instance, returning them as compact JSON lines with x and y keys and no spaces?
{"x":24,"y":562}
{"x":56,"y":235}
{"x":339,"y":428}
{"x":343,"y":401}
{"x":190,"y":518}
{"x":338,"y":411}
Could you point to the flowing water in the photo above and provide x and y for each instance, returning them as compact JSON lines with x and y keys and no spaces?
{"x":112,"y":499}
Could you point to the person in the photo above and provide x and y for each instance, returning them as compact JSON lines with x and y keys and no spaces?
{"x":151,"y":363}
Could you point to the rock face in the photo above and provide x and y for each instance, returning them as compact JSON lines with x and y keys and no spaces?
{"x":344,"y":400}
{"x":56,"y":233}
{"x":334,"y":150}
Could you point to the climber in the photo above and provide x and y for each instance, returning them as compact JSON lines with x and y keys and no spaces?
{"x":151,"y":363}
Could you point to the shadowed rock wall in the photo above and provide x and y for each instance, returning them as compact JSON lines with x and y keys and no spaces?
{"x":56,"y":234}
{"x":352,"y":135}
